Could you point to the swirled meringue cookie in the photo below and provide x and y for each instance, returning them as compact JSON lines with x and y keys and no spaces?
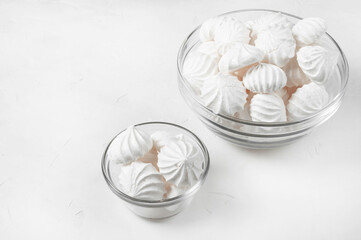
{"x":199,"y":66}
{"x":207,"y":30}
{"x":224,"y":48}
{"x":180,"y":163}
{"x":278,"y":45}
{"x":129,"y":146}
{"x":231,"y":30}
{"x":267,"y":108}
{"x":264,"y":78}
{"x":295,"y":76}
{"x":224,"y":94}
{"x":141,"y":180}
{"x":210,"y":48}
{"x":307,"y":31}
{"x":316,"y":62}
{"x":306,"y":101}
{"x":268,"y":21}
{"x":239,"y":56}
{"x":161,"y":138}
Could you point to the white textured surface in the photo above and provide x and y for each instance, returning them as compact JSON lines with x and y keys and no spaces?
{"x":129,"y":146}
{"x":141,"y":180}
{"x":69,"y":81}
{"x":181,"y":163}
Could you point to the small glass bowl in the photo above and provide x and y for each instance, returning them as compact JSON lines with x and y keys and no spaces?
{"x":251,"y":134}
{"x":163,"y":208}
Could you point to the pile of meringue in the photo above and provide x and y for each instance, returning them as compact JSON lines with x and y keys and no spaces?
{"x":155,"y":167}
{"x":264,"y":70}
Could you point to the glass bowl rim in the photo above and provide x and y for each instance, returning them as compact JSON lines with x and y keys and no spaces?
{"x":165,"y":202}
{"x":339,"y":95}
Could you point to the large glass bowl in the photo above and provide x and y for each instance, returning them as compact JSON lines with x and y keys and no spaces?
{"x":164,"y":208}
{"x":260,"y":134}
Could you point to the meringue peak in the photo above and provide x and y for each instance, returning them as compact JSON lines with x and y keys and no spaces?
{"x":207,"y":29}
{"x":129,"y":145}
{"x":199,"y":66}
{"x":180,"y":163}
{"x":278,"y":45}
{"x":141,"y":180}
{"x":230,"y":30}
{"x":239,"y":56}
{"x":307,"y":100}
{"x":317,"y":62}
{"x":224,"y":94}
{"x":308,"y":30}
{"x":269,"y":20}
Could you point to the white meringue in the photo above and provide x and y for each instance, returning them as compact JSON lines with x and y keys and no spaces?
{"x":264,"y":78}
{"x":283,"y":93}
{"x":267,"y":108}
{"x":249,"y":24}
{"x":308,"y":30}
{"x":181,"y":163}
{"x":231,"y":30}
{"x":317,"y":62}
{"x":129,"y":146}
{"x":224,"y":48}
{"x":207,"y":29}
{"x":267,"y":21}
{"x":161,"y":138}
{"x":295,"y":76}
{"x":199,"y":66}
{"x":175,"y":191}
{"x":141,"y":180}
{"x":278,"y":45}
{"x":306,"y":101}
{"x":210,"y":48}
{"x":239,"y":56}
{"x":224,"y":94}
